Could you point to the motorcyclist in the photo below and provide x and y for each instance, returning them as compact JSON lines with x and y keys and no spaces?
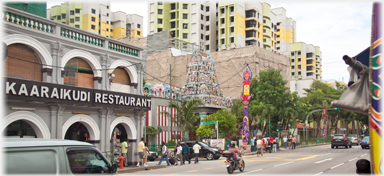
{"x":240,"y":159}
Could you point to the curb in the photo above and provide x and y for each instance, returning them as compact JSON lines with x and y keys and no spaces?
{"x":132,"y":169}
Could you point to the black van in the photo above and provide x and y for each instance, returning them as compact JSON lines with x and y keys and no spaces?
{"x":206,"y":151}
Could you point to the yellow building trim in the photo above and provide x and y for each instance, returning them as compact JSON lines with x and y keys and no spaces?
{"x":87,"y":23}
{"x":119,"y":32}
{"x":240,"y":24}
{"x":135,"y":35}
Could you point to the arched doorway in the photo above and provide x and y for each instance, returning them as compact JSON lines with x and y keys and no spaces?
{"x":119,"y":133}
{"x":40,"y":128}
{"x":77,"y":131}
{"x":19,"y":129}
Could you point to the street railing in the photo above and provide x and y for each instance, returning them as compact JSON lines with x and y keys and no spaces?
{"x":314,"y":141}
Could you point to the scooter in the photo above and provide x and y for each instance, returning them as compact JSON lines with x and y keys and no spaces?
{"x":231,"y":162}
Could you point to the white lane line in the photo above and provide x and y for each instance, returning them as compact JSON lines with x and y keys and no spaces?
{"x":283,"y":164}
{"x":251,"y":171}
{"x":364,"y":155}
{"x":337,"y":166}
{"x":318,"y":173}
{"x":324,"y":160}
{"x":326,"y":154}
{"x":352,"y":159}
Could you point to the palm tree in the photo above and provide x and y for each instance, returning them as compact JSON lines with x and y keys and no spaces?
{"x":265,"y":111}
{"x":185,"y":114}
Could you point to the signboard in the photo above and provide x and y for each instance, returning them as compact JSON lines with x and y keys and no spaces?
{"x":208,"y":123}
{"x":284,"y":132}
{"x":342,"y":129}
{"x":27,"y":90}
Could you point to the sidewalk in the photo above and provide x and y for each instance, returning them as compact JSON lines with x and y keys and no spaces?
{"x":283,"y":149}
{"x":132,"y":168}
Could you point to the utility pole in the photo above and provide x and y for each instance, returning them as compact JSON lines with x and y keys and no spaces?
{"x":170,"y":96}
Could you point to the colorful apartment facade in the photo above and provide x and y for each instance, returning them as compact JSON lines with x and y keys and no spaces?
{"x":97,"y":18}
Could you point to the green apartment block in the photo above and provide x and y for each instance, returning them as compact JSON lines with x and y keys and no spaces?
{"x":36,"y":8}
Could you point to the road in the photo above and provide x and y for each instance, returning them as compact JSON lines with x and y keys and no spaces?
{"x":317,"y":160}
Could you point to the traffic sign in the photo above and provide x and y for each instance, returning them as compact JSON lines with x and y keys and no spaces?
{"x":207,"y":123}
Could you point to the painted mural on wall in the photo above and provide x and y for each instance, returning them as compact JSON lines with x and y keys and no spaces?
{"x":161,"y":90}
{"x":202,"y":82}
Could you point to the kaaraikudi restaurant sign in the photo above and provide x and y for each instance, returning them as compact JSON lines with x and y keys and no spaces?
{"x":19,"y":89}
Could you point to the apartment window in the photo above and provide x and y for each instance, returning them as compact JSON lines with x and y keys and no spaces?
{"x":207,"y":9}
{"x":111,"y":30}
{"x":185,"y":26}
{"x":278,"y":36}
{"x":64,"y":16}
{"x":293,"y":67}
{"x":278,"y":30}
{"x":93,"y":11}
{"x":222,"y":21}
{"x":217,"y":14}
{"x":107,"y":7}
{"x":278,"y":42}
{"x":222,"y":31}
{"x":173,"y":6}
{"x":138,"y":32}
{"x":72,"y":12}
{"x":77,"y":26}
{"x":71,"y":20}
{"x":299,"y":53}
{"x":202,"y":27}
{"x":159,"y":29}
{"x":264,"y":40}
{"x":107,"y":30}
{"x":207,"y":37}
{"x":173,"y":25}
{"x":107,"y":14}
{"x":58,"y":17}
{"x":293,"y":73}
{"x":299,"y":73}
{"x":278,"y":48}
{"x":292,"y":60}
{"x":217,"y":23}
{"x":202,"y":37}
{"x":202,"y":7}
{"x":232,"y":19}
{"x":107,"y":22}
{"x":217,"y":41}
{"x":185,"y":6}
{"x":299,"y":59}
{"x":160,"y":3}
{"x":232,"y":40}
{"x":264,"y":31}
{"x":202,"y":17}
{"x":222,"y":10}
{"x":159,"y":11}
{"x":185,"y":35}
{"x":160,"y":21}
{"x":207,"y":28}
{"x":222,"y":41}
{"x":138,"y":26}
{"x":185,"y":16}
{"x":206,"y":47}
{"x":264,"y":21}
{"x":77,"y":18}
{"x":232,"y":9}
{"x":93,"y":27}
{"x":278,"y":24}
{"x":292,"y":53}
{"x":93,"y":19}
{"x":232,"y":29}
{"x":207,"y":18}
{"x":217,"y":33}
{"x":77,"y":10}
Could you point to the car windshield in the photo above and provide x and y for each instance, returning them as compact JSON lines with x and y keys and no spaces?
{"x":204,"y":144}
{"x":338,"y":137}
{"x":366,"y":138}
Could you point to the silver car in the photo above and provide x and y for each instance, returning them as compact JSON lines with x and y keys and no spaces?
{"x":354,"y":139}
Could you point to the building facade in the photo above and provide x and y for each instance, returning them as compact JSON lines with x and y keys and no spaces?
{"x":305,"y":66}
{"x":36,"y":8}
{"x":65,"y":83}
{"x":97,"y":18}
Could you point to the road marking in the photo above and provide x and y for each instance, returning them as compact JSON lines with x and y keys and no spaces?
{"x":209,"y":168}
{"x":305,"y":158}
{"x":364,"y":155}
{"x":191,"y":171}
{"x":337,"y":166}
{"x":326,"y":154}
{"x":251,"y":171}
{"x":352,"y":159}
{"x":283,"y":164}
{"x":324,"y":160}
{"x":318,"y":173}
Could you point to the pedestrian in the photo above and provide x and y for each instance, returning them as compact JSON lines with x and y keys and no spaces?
{"x":285,"y":139}
{"x":274,"y":145}
{"x":124,"y":150}
{"x":252,"y":144}
{"x":196,"y":150}
{"x":178,"y":153}
{"x":255,"y":144}
{"x":294,"y":142}
{"x":164,"y":154}
{"x":363,"y":166}
{"x":259,"y":146}
{"x":289,"y":142}
{"x":146,"y":153}
{"x":185,"y":153}
{"x":277,"y":142}
{"x":140,"y":148}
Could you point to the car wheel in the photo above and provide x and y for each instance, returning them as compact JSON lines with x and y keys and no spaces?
{"x":337,"y":146}
{"x":333,"y":146}
{"x":350,"y":146}
{"x":209,"y":156}
{"x":151,"y":159}
{"x":362,"y":147}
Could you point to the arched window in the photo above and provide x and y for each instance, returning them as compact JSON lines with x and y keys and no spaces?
{"x":121,"y":80}
{"x":22,"y":62}
{"x":78,"y":73}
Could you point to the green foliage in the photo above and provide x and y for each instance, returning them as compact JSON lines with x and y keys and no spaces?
{"x":170,"y":143}
{"x":206,"y":131}
{"x":151,"y":131}
{"x":227,"y":124}
{"x":238,"y":110}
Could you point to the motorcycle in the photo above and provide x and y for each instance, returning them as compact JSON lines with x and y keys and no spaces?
{"x":231,"y":162}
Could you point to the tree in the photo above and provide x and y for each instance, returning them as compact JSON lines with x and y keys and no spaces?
{"x":185,"y":114}
{"x":227,"y":123}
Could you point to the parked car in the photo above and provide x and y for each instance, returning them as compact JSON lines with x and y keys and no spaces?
{"x":152,"y":156}
{"x":365,"y":142}
{"x":340,"y":140}
{"x":53,"y":157}
{"x":206,"y":151}
{"x":354,"y":139}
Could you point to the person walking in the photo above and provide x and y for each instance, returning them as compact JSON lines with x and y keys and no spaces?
{"x":178,"y":153}
{"x":185,"y":153}
{"x":289,"y":142}
{"x":140,"y":147}
{"x":124,"y":149}
{"x":164,"y":154}
{"x":196,"y":150}
{"x":285,"y":139}
{"x":146,"y":153}
{"x":274,"y":145}
{"x":252,"y":144}
{"x":294,"y":142}
{"x":259,"y":146}
{"x":255,"y":143}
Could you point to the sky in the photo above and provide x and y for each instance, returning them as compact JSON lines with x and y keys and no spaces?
{"x":338,"y":27}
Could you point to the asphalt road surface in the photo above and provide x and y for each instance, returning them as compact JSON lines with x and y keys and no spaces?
{"x":317,"y":160}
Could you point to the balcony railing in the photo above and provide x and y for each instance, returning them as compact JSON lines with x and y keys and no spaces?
{"x":183,"y":46}
{"x":57,"y":29}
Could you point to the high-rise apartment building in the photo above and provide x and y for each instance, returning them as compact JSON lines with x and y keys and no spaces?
{"x":134,"y":26}
{"x":189,"y":22}
{"x":95,"y":17}
{"x":36,"y":8}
